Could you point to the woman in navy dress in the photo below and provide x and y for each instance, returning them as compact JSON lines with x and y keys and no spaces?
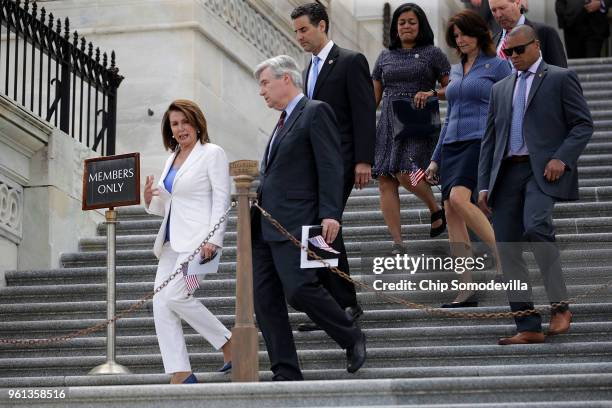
{"x":409,"y":69}
{"x":458,"y":150}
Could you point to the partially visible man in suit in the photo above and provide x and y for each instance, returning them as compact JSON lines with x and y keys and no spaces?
{"x":508,"y":14}
{"x":301,"y":171}
{"x":341,"y":78}
{"x":538,"y":125}
{"x":483,"y":9}
{"x":585,"y":26}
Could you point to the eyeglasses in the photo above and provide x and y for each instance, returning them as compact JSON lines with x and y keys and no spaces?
{"x":519,"y":49}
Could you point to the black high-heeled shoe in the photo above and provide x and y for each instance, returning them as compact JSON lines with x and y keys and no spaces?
{"x":469,"y":302}
{"x":438,"y":215}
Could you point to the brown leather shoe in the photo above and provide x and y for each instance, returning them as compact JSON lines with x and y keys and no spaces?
{"x":526,"y":337}
{"x":559,"y":323}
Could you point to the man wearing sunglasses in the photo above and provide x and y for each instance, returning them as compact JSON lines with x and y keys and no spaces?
{"x":508,"y":14}
{"x":538,"y":125}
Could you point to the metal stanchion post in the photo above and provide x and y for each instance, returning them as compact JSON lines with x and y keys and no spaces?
{"x":110,"y":367}
{"x":245,"y":359}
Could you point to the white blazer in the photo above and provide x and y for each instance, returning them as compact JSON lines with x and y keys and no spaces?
{"x":200,"y":196}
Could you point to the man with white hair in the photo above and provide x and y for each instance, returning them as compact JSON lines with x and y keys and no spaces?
{"x":301,"y":184}
{"x":509,"y":14}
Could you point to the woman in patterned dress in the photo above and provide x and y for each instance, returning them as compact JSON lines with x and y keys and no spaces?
{"x":410,"y":69}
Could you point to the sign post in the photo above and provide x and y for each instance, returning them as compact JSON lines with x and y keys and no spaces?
{"x":109,"y":182}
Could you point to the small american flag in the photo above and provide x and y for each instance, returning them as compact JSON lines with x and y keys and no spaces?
{"x":416,"y":177}
{"x":192,"y":282}
{"x":320,"y":243}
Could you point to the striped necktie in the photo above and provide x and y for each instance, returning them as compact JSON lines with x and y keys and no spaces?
{"x":518,"y":113}
{"x":501,"y":54}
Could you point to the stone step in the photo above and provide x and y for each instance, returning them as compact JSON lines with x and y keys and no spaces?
{"x":224,"y":303}
{"x":589,"y":62}
{"x":333,"y":374}
{"x":602,"y":124}
{"x":368,"y":217}
{"x":437,"y":336}
{"x":383,"y":357}
{"x":603,"y":104}
{"x":597,"y":148}
{"x":601,"y":116}
{"x":589,"y":86}
{"x":353,"y":233}
{"x":587,"y":194}
{"x":225,"y":279}
{"x":391,"y":318}
{"x":411,"y":392}
{"x":571,"y":242}
{"x":596,"y":95}
{"x":596,"y":77}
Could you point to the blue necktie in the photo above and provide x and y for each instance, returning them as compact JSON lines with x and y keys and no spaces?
{"x":312,"y":81}
{"x":518,"y":112}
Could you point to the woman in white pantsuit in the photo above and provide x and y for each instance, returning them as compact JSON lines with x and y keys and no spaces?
{"x":192,"y":194}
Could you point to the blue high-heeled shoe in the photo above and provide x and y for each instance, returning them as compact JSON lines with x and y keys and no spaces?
{"x":227,"y":367}
{"x":191,"y":379}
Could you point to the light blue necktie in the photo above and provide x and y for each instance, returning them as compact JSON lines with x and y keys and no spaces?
{"x":518,"y":112}
{"x":312,"y":81}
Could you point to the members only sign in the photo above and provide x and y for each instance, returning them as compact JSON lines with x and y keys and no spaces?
{"x":111,"y":181}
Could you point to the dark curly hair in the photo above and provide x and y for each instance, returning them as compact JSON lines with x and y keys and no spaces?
{"x":425,"y":36}
{"x":315,"y":12}
{"x":473,"y":25}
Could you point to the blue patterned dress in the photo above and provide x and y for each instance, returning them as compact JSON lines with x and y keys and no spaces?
{"x":403,"y":73}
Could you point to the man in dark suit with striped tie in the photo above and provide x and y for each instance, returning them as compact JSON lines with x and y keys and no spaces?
{"x":301,"y":171}
{"x":508,"y":14}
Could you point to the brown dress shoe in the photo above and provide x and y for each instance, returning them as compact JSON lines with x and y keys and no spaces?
{"x":559,"y":323}
{"x":526,"y":337}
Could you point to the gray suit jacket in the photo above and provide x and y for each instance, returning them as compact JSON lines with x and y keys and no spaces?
{"x":557,"y":125}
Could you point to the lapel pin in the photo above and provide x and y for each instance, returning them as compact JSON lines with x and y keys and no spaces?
{"x":331,"y":62}
{"x":540,"y":75}
{"x":416,"y":55}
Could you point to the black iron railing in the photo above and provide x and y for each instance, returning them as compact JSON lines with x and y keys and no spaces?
{"x":57,"y":75}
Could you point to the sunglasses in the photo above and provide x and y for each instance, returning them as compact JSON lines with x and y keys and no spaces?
{"x":519,"y":49}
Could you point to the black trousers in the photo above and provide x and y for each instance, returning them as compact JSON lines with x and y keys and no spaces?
{"x":341,"y":290}
{"x":278,"y":280}
{"x":580,"y":45}
{"x":519,"y":198}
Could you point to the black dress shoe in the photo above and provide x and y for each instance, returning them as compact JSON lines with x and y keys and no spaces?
{"x":306,"y":327}
{"x":280,"y":377}
{"x":356,"y":355}
{"x":353,"y":312}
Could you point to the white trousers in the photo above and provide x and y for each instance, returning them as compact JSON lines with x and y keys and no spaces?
{"x":172,"y":304}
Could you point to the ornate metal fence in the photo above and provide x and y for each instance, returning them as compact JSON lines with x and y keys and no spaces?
{"x":57,"y":75}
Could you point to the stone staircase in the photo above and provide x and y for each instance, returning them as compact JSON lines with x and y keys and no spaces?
{"x":414,"y":359}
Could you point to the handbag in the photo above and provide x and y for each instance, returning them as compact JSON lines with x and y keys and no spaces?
{"x":412,"y":123}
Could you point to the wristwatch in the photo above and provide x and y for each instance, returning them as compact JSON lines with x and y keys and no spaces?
{"x":435,"y":93}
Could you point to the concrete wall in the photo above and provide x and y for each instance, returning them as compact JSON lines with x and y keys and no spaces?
{"x":40,"y":192}
{"x":204,"y":50}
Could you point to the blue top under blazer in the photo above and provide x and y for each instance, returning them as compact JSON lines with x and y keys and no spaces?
{"x":468,"y":100}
